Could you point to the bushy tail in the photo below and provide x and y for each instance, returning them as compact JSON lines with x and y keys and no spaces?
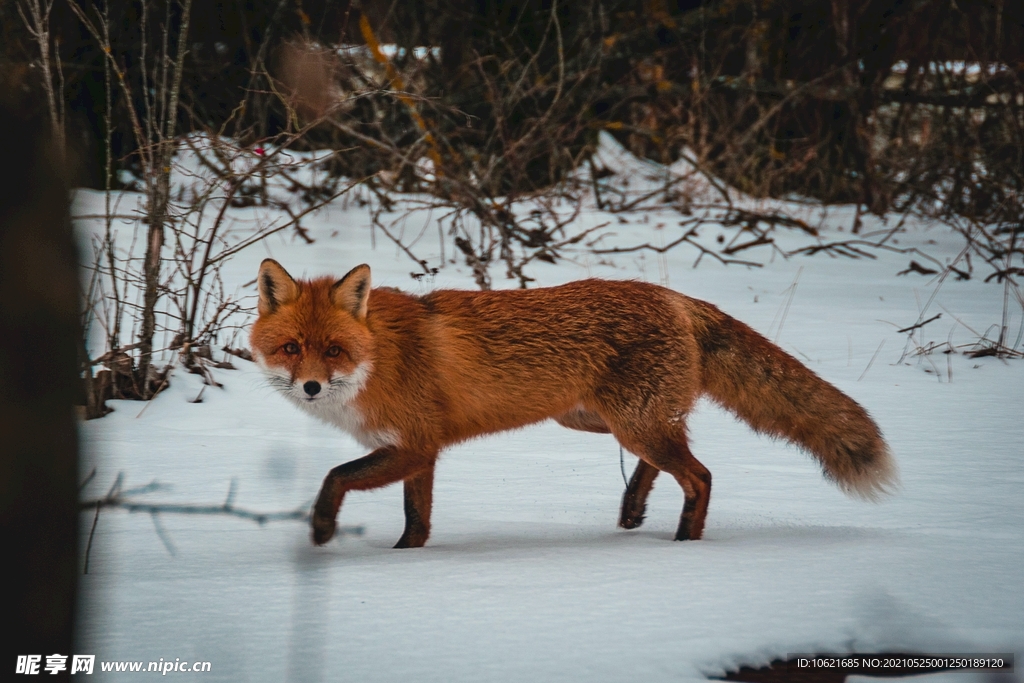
{"x":777,"y":395}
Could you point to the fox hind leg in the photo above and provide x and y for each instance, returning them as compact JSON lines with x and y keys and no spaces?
{"x":696,"y":483}
{"x":666,"y":451}
{"x":669,"y":452}
{"x":634,"y":500}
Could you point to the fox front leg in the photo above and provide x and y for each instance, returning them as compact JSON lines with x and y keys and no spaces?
{"x":419,"y":493}
{"x":382,"y":467}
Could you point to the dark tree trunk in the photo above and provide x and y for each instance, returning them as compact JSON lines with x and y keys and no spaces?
{"x":39,"y":332}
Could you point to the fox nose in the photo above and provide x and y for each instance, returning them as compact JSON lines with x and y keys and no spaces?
{"x":311,"y":387}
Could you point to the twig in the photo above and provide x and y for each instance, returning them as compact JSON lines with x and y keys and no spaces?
{"x":162,"y":533}
{"x":92,"y":533}
{"x":685,"y":238}
{"x":114,"y":489}
{"x":89,"y":478}
{"x":263,"y":234}
{"x":785,"y":311}
{"x":116,"y":498}
{"x":916,"y":267}
{"x":109,"y":355}
{"x":622,"y":466}
{"x":870,"y":362}
{"x":920,"y":324}
{"x":163,"y":385}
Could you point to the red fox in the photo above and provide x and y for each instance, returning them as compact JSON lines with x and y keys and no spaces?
{"x":409,"y":375}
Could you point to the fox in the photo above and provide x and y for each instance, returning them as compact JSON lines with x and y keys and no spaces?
{"x":408,"y":376}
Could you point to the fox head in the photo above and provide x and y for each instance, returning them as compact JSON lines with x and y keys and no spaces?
{"x":311,"y":337}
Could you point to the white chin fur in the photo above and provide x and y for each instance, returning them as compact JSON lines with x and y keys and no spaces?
{"x":334,"y":404}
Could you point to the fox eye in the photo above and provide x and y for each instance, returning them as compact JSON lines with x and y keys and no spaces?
{"x":291,"y":348}
{"x":334,"y":351}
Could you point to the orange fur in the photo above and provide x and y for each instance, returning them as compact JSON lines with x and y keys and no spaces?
{"x":409,"y":376}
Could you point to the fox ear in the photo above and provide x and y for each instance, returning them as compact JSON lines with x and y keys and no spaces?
{"x":351,"y":292}
{"x":276,"y":286}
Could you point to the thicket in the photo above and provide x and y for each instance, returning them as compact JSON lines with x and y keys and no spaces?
{"x":908,"y":106}
{"x":873,"y":101}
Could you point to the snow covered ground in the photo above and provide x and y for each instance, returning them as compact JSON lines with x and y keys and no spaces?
{"x":526,"y":577}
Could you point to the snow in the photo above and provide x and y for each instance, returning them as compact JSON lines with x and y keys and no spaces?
{"x":525,"y":576}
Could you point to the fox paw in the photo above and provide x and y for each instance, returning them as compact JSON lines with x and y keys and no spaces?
{"x":631,"y":519}
{"x":323,"y":529}
{"x":688,"y":531}
{"x":412,"y":540}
